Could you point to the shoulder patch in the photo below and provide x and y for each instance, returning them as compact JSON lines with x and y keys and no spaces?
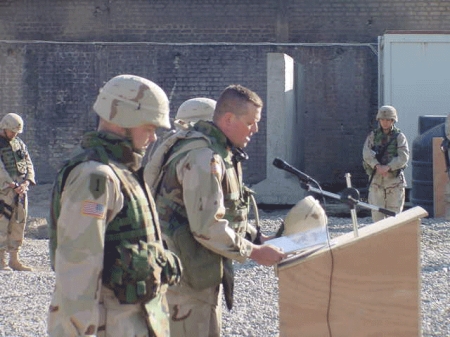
{"x":97,"y":185}
{"x":216,"y":167}
{"x":93,"y":209}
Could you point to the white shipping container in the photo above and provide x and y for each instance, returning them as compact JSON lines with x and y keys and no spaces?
{"x":414,"y":77}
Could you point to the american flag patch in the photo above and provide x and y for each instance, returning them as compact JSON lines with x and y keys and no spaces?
{"x":94,"y":209}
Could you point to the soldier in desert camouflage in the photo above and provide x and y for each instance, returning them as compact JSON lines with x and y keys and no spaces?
{"x":188,"y":113}
{"x":194,"y":110}
{"x":16,"y":175}
{"x":111,"y":268}
{"x":385,"y":155}
{"x":199,"y":193}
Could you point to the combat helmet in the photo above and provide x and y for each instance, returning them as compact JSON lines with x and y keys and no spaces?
{"x":130,"y":101}
{"x":306,"y":214}
{"x":12,"y":122}
{"x":195,"y":109}
{"x":387,"y":112}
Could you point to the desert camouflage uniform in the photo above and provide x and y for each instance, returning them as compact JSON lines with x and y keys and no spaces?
{"x":200,"y":195}
{"x":93,"y":198}
{"x":15,"y":166}
{"x":387,"y":192}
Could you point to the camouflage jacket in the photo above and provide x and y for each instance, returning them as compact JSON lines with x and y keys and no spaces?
{"x":104,"y":228}
{"x":396,"y":155}
{"x":200,"y":198}
{"x":16,"y":164}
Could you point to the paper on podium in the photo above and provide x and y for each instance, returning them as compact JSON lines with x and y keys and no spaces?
{"x":301,"y":242}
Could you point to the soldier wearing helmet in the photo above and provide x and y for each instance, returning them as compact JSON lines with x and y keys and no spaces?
{"x":16,"y":174}
{"x":106,"y":249}
{"x":193,"y":110}
{"x":188,"y":113}
{"x":385,"y":155}
{"x":196,"y":178}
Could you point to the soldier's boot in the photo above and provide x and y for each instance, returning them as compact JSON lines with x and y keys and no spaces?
{"x":3,"y":260}
{"x":15,"y":263}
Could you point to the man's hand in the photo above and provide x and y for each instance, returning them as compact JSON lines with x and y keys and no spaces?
{"x":267,"y":255}
{"x":20,"y":188}
{"x":383,"y":170}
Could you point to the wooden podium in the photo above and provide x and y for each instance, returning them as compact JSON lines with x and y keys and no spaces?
{"x":363,"y":286}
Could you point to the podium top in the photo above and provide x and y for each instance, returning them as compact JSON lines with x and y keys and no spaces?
{"x":415,"y":213}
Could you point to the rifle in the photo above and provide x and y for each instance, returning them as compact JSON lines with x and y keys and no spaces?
{"x":379,"y":153}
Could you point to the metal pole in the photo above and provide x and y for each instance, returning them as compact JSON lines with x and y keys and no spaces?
{"x":352,"y":208}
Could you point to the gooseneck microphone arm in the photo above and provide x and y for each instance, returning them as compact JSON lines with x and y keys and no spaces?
{"x":281,"y":164}
{"x":349,"y":195}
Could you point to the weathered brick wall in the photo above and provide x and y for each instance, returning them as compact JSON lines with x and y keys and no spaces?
{"x":340,"y":103}
{"x":217,"y":20}
{"x":197,"y":47}
{"x":56,"y":85}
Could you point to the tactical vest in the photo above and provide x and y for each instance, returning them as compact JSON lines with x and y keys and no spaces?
{"x":203,"y":268}
{"x":135,"y":263}
{"x":384,"y":154}
{"x":380,"y":139}
{"x":13,"y":155}
{"x":235,"y":201}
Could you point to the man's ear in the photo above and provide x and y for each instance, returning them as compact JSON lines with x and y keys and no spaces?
{"x":228,"y":118}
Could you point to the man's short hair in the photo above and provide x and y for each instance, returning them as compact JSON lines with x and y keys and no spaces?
{"x":234,"y":99}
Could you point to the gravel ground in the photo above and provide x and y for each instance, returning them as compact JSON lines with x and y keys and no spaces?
{"x":25,"y":296}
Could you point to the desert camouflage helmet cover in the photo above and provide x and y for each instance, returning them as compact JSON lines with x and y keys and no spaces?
{"x":131,"y":101}
{"x":387,"y":112}
{"x":12,"y":122}
{"x":195,"y":109}
{"x":306,"y":214}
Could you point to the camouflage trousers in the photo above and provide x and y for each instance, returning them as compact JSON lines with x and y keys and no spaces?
{"x":114,"y":320}
{"x":391,"y":198}
{"x":199,"y":315}
{"x":13,"y":217}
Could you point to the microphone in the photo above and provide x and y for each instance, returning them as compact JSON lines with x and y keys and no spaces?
{"x":281,"y":164}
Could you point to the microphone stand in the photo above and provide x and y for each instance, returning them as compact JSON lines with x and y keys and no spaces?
{"x":352,"y":207}
{"x":350,"y":196}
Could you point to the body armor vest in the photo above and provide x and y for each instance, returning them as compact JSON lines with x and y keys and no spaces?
{"x":135,"y":263}
{"x":204,"y":268}
{"x":235,"y":202}
{"x":13,"y":155}
{"x":381,"y":140}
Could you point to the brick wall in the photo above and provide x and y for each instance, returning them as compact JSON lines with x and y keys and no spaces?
{"x":217,"y":20}
{"x":197,"y":47}
{"x":56,"y":85}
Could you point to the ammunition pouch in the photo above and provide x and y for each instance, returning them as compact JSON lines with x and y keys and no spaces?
{"x":135,"y":273}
